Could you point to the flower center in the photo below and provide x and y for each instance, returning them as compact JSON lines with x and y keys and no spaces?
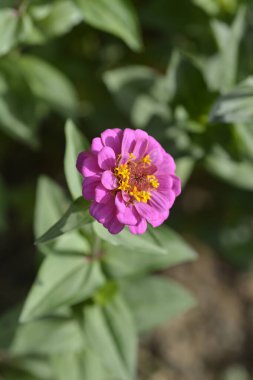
{"x":136,"y":178}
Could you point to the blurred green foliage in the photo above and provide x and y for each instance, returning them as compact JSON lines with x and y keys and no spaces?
{"x":180,"y":70}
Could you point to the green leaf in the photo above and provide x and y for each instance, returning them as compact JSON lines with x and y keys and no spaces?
{"x":8,"y":29}
{"x":169,"y":82}
{"x":115,"y":16}
{"x":54,"y":18}
{"x":61,"y":281}
{"x":9,"y":3}
{"x":46,"y":19}
{"x":49,"y":84}
{"x":154,"y":300}
{"x":15,"y":123}
{"x":106,"y":293}
{"x":94,"y":369}
{"x":235,"y":106}
{"x":72,"y":243}
{"x":51,"y":203}
{"x":8,"y":324}
{"x":135,"y":254}
{"x":27,"y":368}
{"x":68,"y":366}
{"x":76,"y":216}
{"x":221,"y":69}
{"x":209,"y":6}
{"x":185,"y":166}
{"x":243,"y":134}
{"x":38,"y":366}
{"x":238,"y":173}
{"x":19,"y":110}
{"x":138,"y":91}
{"x":78,"y":366}
{"x":235,"y":372}
{"x":75,"y":143}
{"x":18,"y":373}
{"x":47,"y":336}
{"x":111,"y":334}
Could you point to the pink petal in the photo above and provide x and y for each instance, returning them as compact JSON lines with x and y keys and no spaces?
{"x":106,"y":214}
{"x":109,"y":180}
{"x":102,"y":195}
{"x":161,"y":218}
{"x":139,"y":228}
{"x":90,"y":165}
{"x":80,"y":161}
{"x":161,"y":201}
{"x":165,"y":182}
{"x":147,"y":211}
{"x":106,"y":158}
{"x":167,"y":166}
{"x":126,"y":213}
{"x":125,"y":196}
{"x":114,"y":226}
{"x":113,"y":139}
{"x":176,"y":185}
{"x":103,"y":212}
{"x":141,"y":146}
{"x":96,"y":145}
{"x":128,"y":142}
{"x":156,"y":156}
{"x":156,"y":151}
{"x":89,"y":186}
{"x":140,"y":134}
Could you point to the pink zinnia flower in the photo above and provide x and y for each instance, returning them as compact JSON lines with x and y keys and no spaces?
{"x":130,"y":180}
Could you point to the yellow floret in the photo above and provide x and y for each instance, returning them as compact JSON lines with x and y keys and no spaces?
{"x":147,"y":160}
{"x":140,"y":196}
{"x":145,"y":196}
{"x":122,"y":171}
{"x":123,"y":174}
{"x":153,"y":181}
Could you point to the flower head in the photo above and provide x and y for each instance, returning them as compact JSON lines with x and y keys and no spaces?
{"x":130,"y":180}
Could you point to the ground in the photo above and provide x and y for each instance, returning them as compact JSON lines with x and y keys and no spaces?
{"x":213,"y":340}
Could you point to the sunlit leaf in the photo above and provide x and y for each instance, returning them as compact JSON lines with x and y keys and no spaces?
{"x":154,"y":300}
{"x":235,"y":106}
{"x":61,"y":281}
{"x":209,"y":6}
{"x":49,"y":84}
{"x":8,"y":29}
{"x":111,"y":334}
{"x":238,"y":173}
{"x":54,"y":18}
{"x":140,"y":92}
{"x":115,"y":16}
{"x":76,"y":216}
{"x":47,"y":336}
{"x":135,"y":254}
{"x":84,"y":365}
{"x":75,"y":143}
{"x":51,"y":203}
{"x":221,"y":69}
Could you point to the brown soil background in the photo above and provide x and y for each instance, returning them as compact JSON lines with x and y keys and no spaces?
{"x":211,"y":340}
